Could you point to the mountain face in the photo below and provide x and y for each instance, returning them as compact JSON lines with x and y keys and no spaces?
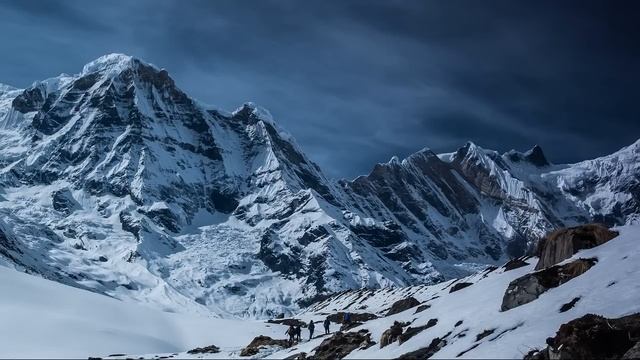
{"x":116,"y":181}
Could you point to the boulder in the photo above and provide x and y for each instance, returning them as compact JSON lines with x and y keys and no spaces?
{"x":341,"y":344}
{"x":391,"y":334}
{"x":422,"y":308}
{"x":593,"y":337}
{"x":261,"y":341}
{"x":402,"y":305}
{"x":529,"y":287}
{"x":564,"y":243}
{"x":211,"y":349}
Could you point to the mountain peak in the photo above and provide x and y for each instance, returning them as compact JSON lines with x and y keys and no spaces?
{"x":110,"y":62}
{"x":536,"y":156}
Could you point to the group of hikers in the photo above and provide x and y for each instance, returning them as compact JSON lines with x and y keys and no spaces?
{"x":295,"y":332}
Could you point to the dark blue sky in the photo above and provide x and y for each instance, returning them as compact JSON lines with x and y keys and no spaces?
{"x":359,"y":81}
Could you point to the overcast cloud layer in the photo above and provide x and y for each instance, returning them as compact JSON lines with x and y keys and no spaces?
{"x":357,"y":82}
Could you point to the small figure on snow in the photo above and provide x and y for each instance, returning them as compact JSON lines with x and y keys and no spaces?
{"x":327,"y":323}
{"x":291,"y":331}
{"x":311,"y":328}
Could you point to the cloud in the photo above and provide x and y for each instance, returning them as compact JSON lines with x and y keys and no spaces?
{"x":359,"y":81}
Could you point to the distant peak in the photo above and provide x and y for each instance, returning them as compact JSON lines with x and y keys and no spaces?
{"x":533,"y":156}
{"x":536,"y":156}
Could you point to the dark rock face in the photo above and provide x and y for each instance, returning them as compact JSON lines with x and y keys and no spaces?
{"x":259,"y":341}
{"x":64,"y":202}
{"x":593,"y":337}
{"x":211,"y":349}
{"x":536,"y":157}
{"x":341,"y":344}
{"x":164,"y":217}
{"x":459,"y":286}
{"x":529,"y":287}
{"x":402,"y":305}
{"x":422,"y":308}
{"x":562,"y":244}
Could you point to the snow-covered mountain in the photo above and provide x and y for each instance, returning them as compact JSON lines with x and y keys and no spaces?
{"x":116,"y":181}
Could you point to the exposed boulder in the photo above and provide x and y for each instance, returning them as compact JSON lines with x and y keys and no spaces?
{"x":460,"y":286}
{"x":593,"y":337}
{"x":391,"y":334}
{"x":529,"y":287}
{"x":402,"y":305}
{"x":422,"y":308}
{"x":211,"y":349}
{"x":341,"y":344}
{"x":262,"y":341}
{"x":564,"y":243}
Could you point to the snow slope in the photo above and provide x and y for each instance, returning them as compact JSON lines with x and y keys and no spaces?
{"x":45,"y":319}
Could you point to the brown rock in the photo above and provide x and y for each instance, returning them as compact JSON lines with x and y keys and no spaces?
{"x":355,"y":317}
{"x":527,"y":288}
{"x":259,"y":341}
{"x":211,"y":349}
{"x":391,"y":334}
{"x":402,"y":305}
{"x":564,"y":243}
{"x":341,"y":344}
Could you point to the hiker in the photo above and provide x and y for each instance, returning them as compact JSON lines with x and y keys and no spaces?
{"x":311,"y":327}
{"x":298,"y":333}
{"x":327,"y":323}
{"x":292,"y":333}
{"x":347,"y":318}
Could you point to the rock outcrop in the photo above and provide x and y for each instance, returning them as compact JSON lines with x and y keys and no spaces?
{"x":211,"y":349}
{"x":593,"y":337}
{"x":564,"y":243}
{"x":402,"y":305}
{"x":529,"y":287}
{"x":391,"y":334}
{"x":341,"y":344}
{"x":260,"y":342}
